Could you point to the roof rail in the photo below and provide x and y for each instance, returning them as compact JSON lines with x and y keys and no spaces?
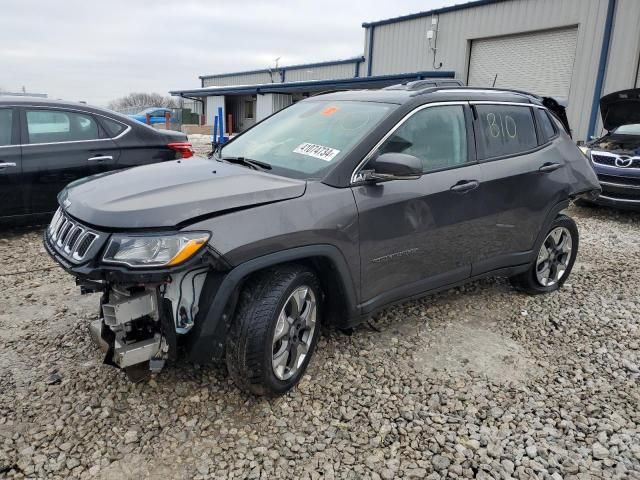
{"x":418,"y":85}
{"x":480,"y":89}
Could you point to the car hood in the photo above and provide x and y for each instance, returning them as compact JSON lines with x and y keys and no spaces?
{"x":169,"y":194}
{"x":620,"y":108}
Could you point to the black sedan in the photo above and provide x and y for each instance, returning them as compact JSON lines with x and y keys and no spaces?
{"x":46,"y":144}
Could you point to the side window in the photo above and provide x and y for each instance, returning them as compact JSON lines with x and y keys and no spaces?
{"x":435,"y":135}
{"x":546,"y":125}
{"x":6,"y":126}
{"x":112,"y":127}
{"x":50,"y":126}
{"x":505,"y":130}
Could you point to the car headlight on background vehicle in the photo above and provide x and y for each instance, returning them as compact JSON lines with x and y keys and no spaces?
{"x":140,"y":251}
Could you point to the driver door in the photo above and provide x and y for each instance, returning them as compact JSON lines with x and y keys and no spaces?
{"x":416,"y":235}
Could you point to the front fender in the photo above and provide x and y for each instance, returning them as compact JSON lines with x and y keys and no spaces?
{"x":205,"y":342}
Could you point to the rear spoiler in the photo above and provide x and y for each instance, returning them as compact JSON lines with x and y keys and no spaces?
{"x":559,"y":111}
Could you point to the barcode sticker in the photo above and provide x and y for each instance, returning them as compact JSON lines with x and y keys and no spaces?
{"x":317,"y":151}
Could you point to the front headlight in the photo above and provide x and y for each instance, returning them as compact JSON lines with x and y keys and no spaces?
{"x":140,"y":251}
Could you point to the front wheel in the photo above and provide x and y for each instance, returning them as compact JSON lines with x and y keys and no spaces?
{"x":275,"y":330}
{"x":554,"y":261}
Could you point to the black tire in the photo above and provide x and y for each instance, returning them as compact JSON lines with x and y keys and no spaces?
{"x":528,"y":281}
{"x":249,"y":344}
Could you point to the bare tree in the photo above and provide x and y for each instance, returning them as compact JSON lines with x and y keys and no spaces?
{"x":142,"y":100}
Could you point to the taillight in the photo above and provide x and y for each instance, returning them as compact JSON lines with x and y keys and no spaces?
{"x":183,"y":148}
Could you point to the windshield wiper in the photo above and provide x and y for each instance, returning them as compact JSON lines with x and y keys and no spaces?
{"x":255,"y":164}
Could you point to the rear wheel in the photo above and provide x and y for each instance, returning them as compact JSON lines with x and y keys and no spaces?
{"x":275,"y":330}
{"x":554,"y":261}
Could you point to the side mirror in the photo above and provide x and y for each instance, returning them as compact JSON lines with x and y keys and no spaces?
{"x":393,"y":166}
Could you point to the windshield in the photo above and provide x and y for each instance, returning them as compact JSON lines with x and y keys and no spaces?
{"x":631,"y":129}
{"x":306,"y":139}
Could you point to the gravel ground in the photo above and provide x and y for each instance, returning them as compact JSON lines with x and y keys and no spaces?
{"x":201,"y":143}
{"x":476,"y":382}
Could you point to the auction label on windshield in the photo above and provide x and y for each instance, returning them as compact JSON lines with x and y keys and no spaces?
{"x":317,"y":151}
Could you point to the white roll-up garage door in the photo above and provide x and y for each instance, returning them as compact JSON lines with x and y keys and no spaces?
{"x":537,"y":62}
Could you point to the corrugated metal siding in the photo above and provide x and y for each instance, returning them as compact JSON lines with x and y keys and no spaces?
{"x":624,"y":52}
{"x":538,"y":62}
{"x":329,"y":72}
{"x":281,"y":101}
{"x":270,"y":103}
{"x":243,"y":79}
{"x":403,"y":46}
{"x":625,"y":47}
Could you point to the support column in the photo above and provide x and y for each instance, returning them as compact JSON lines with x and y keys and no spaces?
{"x":212,"y":105}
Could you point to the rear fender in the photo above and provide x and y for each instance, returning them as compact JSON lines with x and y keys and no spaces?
{"x":551,"y":216}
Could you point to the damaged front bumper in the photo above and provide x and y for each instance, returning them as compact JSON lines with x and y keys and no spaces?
{"x":147,"y":317}
{"x":130,"y":331}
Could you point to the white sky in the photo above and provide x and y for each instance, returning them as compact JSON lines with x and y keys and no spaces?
{"x":97,"y":50}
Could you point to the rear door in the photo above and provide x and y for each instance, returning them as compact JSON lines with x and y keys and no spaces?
{"x":12,"y":200}
{"x":60,"y":146}
{"x":523,"y":177}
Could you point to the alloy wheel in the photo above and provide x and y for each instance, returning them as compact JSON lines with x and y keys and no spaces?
{"x":554,"y":256}
{"x":293,"y":335}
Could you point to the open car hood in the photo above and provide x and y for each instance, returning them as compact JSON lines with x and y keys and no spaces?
{"x":169,"y":194}
{"x":620,"y":108}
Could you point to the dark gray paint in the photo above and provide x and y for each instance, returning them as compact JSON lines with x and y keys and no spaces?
{"x":171,"y":193}
{"x":398,"y":238}
{"x":413,"y":230}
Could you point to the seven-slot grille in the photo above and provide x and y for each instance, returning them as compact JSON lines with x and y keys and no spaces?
{"x":69,"y":237}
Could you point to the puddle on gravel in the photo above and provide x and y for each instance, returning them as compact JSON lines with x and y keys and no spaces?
{"x":468,"y":347}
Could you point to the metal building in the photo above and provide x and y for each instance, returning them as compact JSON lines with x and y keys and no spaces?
{"x":574,"y":50}
{"x":248,"y":103}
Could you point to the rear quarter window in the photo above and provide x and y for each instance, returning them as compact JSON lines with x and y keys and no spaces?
{"x":547,"y":128}
{"x":505,"y":130}
{"x":112,"y":127}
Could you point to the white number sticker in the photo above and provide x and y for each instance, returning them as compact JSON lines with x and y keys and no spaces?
{"x":317,"y":151}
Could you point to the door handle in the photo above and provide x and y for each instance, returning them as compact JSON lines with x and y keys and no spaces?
{"x":100,"y":158}
{"x":4,"y":165}
{"x":549,"y":167}
{"x":465,"y":186}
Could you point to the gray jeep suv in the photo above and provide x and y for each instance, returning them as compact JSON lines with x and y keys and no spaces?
{"x":325,"y":212}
